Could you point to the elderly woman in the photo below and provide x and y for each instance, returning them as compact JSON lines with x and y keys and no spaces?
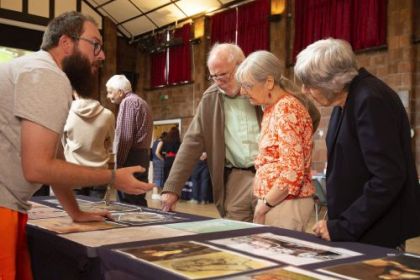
{"x":372,"y":190}
{"x":283,"y":179}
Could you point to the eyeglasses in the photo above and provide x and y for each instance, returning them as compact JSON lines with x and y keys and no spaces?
{"x":220,"y":76}
{"x":97,"y":47}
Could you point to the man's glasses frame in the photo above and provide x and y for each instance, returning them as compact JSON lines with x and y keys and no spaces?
{"x":97,"y":47}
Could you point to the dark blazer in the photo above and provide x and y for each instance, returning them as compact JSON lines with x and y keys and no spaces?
{"x":373,"y":193}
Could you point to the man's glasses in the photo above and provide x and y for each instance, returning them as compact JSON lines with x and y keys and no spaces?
{"x":97,"y":47}
{"x":220,"y":76}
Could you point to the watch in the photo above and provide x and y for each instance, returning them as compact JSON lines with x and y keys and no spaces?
{"x":266,"y":203}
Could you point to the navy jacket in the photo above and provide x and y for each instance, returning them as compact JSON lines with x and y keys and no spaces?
{"x":373,"y":193}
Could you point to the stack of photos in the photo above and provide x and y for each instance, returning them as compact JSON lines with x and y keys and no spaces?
{"x":143,"y":218}
{"x":283,"y":273}
{"x":194,"y":260}
{"x":66,"y":225}
{"x":405,"y":266}
{"x":40,"y":211}
{"x":285,"y":249}
{"x":214,"y":225}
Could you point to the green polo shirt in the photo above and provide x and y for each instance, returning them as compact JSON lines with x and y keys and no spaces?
{"x":241,"y":131}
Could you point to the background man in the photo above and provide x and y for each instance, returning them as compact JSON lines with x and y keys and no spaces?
{"x":133,"y":133}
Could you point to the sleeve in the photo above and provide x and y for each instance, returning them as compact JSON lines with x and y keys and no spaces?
{"x":37,"y":101}
{"x":188,"y":154}
{"x":378,"y":133}
{"x":125,"y":131}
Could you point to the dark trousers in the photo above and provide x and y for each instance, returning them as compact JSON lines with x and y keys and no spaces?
{"x":137,"y":157}
{"x":201,"y":185}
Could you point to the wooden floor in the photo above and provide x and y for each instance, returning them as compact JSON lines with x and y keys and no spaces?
{"x":209,"y":210}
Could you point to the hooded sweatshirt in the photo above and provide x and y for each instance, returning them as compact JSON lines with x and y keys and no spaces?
{"x":88,"y":133}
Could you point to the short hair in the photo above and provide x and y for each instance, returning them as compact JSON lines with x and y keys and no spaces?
{"x":119,"y":82}
{"x":69,"y":23}
{"x":259,"y":65}
{"x":328,"y":64}
{"x":232,"y":52}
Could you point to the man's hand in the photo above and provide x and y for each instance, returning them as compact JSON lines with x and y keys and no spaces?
{"x":168,"y":201}
{"x":82,"y":216}
{"x":321,"y":230}
{"x":126,"y":182}
{"x":260,"y":210}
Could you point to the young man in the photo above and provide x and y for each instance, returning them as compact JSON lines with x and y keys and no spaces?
{"x":36,"y":96}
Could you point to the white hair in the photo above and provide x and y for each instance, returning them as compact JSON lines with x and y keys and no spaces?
{"x":328,"y":64}
{"x":259,"y":65}
{"x":229,"y":51}
{"x":119,"y":82}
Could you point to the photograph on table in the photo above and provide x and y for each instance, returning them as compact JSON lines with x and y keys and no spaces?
{"x":143,"y":218}
{"x":114,"y":206}
{"x":194,"y":260}
{"x":66,"y":225}
{"x":283,"y":273}
{"x":285,"y":249}
{"x":123,"y":235}
{"x":405,"y":266}
{"x":40,"y":211}
{"x":214,"y":225}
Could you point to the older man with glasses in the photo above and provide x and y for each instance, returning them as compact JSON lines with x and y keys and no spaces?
{"x":226,"y":127}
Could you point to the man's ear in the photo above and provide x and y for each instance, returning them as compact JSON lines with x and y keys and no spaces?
{"x":66,"y":43}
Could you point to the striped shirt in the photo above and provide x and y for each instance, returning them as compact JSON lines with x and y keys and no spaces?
{"x":134,"y":127}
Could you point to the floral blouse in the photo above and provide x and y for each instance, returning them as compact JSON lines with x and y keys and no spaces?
{"x":285,"y":147}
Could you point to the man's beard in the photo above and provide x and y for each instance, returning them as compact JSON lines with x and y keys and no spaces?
{"x":79,"y":71}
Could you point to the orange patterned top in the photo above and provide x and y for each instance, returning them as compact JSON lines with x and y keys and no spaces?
{"x":285,"y":147}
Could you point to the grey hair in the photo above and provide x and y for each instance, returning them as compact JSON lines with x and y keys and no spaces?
{"x":119,"y":82}
{"x":69,"y":23}
{"x":261,"y":64}
{"x":229,"y":51}
{"x":328,"y":64}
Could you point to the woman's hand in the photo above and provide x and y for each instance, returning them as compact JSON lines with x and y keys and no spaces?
{"x":260,"y":210}
{"x":321,"y":230}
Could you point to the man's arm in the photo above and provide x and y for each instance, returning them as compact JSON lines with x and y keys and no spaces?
{"x":186,"y":158}
{"x":40,"y":165}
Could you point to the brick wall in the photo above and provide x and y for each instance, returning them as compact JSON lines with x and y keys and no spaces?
{"x":398,"y":65}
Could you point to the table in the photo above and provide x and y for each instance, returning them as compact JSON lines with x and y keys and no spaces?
{"x":57,"y":257}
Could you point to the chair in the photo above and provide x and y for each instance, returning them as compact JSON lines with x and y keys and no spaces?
{"x":319,"y":198}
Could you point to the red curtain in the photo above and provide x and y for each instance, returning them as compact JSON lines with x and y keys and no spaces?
{"x":253,"y":26}
{"x":158,"y":69}
{"x":223,"y":27}
{"x":180,"y":57}
{"x":361,"y":22}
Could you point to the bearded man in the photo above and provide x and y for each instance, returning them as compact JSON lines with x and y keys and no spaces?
{"x":36,"y":96}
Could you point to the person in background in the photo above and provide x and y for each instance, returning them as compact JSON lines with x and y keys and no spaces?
{"x":167,"y":149}
{"x":201,"y":183}
{"x":33,"y":112}
{"x":88,"y":137}
{"x":133,"y":133}
{"x":226,"y":127}
{"x":283,"y":182}
{"x":158,"y":161}
{"x":372,"y":187}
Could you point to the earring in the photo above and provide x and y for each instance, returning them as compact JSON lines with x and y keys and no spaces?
{"x":269,"y":94}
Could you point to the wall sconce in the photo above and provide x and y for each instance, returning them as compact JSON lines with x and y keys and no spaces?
{"x":198,"y":31}
{"x":277,"y":9}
